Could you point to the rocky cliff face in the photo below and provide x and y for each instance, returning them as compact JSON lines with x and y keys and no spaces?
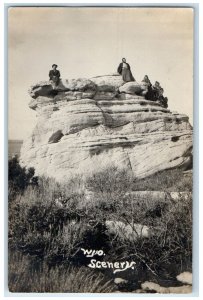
{"x":86,"y":125}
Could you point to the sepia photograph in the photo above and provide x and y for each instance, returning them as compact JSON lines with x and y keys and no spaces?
{"x":100,"y":149}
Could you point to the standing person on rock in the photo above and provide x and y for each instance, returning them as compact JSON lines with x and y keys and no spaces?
{"x":124,"y":70}
{"x":54,"y":76}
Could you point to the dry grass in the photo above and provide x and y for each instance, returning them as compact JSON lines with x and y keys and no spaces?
{"x":23,"y":278}
{"x":174,"y":180}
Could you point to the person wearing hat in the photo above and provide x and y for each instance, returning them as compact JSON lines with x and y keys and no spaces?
{"x":54,"y":75}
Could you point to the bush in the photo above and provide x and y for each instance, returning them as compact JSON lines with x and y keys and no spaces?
{"x":45,"y":222}
{"x":168,"y":249}
{"x":36,"y":225}
{"x":109,"y":187}
{"x":19,"y":178}
{"x":110,"y":182}
{"x":52,"y":222}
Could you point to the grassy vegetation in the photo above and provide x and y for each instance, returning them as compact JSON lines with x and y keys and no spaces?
{"x":25,"y":277}
{"x":49,"y":223}
{"x":174,"y":180}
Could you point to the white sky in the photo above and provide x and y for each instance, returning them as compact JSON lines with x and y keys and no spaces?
{"x":87,"y":42}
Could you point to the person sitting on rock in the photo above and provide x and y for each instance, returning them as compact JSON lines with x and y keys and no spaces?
{"x":146,"y":80}
{"x":148,"y":93}
{"x":124,"y":70}
{"x":163,"y":100}
{"x":158,"y":92}
{"x":54,"y":76}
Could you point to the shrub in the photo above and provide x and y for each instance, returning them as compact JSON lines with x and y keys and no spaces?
{"x":19,"y":178}
{"x":168,"y":249}
{"x":36,"y":225}
{"x":52,"y":222}
{"x":109,"y":186}
{"x":46,"y":223}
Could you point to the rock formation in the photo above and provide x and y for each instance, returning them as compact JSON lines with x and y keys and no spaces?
{"x":88,"y":124}
{"x":185,"y":277}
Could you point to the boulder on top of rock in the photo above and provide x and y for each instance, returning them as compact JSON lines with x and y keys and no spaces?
{"x":81,"y":84}
{"x":42,"y":88}
{"x":45,"y":88}
{"x":133,"y":88}
{"x":108,"y":83}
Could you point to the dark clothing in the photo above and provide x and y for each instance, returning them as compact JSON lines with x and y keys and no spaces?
{"x":53,"y":73}
{"x":146,"y":81}
{"x":157,"y":92}
{"x":149,"y":95}
{"x":54,"y":76}
{"x":120,"y":68}
{"x":125,"y":72}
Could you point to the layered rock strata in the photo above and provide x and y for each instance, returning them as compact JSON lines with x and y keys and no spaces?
{"x":89,"y":124}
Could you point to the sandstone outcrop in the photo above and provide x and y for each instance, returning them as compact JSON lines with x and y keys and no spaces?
{"x":88,"y":124}
{"x":128,"y":232}
{"x":185,"y":277}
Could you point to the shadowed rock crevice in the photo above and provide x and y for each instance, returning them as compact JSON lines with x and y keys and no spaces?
{"x":55,"y":137}
{"x":107,"y":118}
{"x":175,"y":138}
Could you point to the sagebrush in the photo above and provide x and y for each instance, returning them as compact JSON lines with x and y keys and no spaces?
{"x":49,"y":223}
